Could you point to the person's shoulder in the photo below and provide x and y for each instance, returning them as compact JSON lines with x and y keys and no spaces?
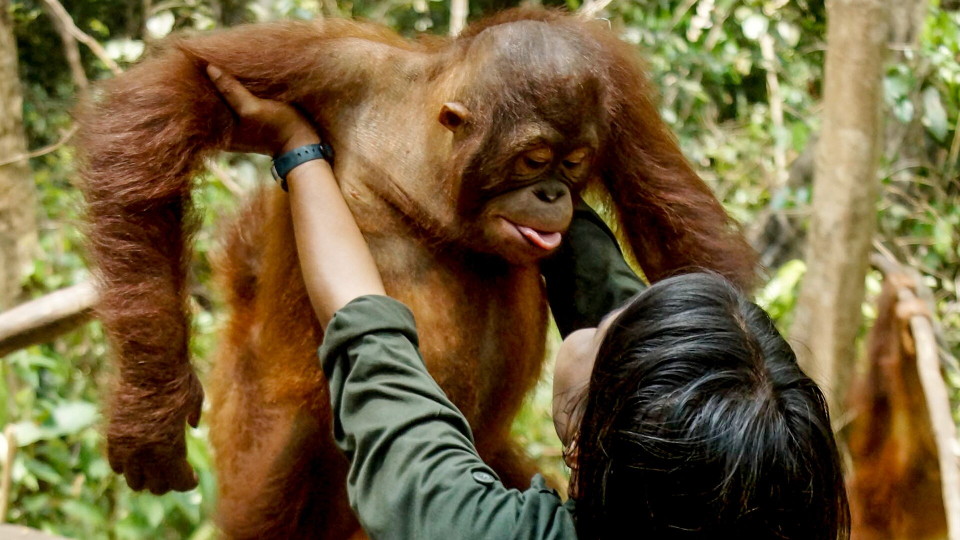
{"x":368,"y":315}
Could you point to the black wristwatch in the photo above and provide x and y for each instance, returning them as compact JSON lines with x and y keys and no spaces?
{"x":284,"y":163}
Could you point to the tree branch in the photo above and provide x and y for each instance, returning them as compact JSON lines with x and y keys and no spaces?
{"x":592,"y":8}
{"x":935,"y":393}
{"x":70,"y":34}
{"x":70,"y":48}
{"x":955,"y":146}
{"x":58,"y":12}
{"x":459,"y":9}
{"x":19,"y":532}
{"x":45,"y":150}
{"x":775,"y":98}
{"x":938,"y":403}
{"x":224,"y":177}
{"x":45,"y":318}
{"x":10,"y":439}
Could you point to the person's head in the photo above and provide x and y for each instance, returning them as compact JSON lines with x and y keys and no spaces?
{"x":696,"y":422}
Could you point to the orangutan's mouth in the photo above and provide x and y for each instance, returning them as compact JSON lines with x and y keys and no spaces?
{"x":545,"y":240}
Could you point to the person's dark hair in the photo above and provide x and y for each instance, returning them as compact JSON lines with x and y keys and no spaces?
{"x":698,"y":423}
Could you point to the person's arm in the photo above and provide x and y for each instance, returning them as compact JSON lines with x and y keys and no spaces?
{"x":587,"y":277}
{"x":414,"y":470}
{"x":336,"y":262}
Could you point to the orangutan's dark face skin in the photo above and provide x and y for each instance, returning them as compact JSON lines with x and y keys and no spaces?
{"x":524,"y":149}
{"x":529,"y":211}
{"x":518,"y":203}
{"x":527,"y":222}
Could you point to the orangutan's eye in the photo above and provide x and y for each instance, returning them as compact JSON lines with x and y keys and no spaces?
{"x":534,"y":164}
{"x":534,"y":161}
{"x":576,"y":158}
{"x":575,"y":163}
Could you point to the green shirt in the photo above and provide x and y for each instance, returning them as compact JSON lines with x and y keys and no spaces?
{"x":414,"y":470}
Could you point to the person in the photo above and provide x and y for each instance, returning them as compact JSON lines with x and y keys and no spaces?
{"x":683,"y":413}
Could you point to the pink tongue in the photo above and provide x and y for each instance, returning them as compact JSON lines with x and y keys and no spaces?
{"x":543,"y":240}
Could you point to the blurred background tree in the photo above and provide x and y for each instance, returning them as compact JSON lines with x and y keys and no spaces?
{"x":18,"y":229}
{"x":741,"y":82}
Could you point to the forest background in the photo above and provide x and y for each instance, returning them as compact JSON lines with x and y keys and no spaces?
{"x":741,"y":84}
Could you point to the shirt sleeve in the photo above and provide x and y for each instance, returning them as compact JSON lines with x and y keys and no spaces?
{"x":414,"y":471}
{"x":587,"y":277}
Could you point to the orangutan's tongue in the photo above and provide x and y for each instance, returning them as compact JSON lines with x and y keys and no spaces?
{"x":542,"y":239}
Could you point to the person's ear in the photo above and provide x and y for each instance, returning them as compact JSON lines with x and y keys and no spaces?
{"x":571,"y":457}
{"x":571,"y":452}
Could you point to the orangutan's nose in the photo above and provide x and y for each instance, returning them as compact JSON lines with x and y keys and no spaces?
{"x":550,"y":192}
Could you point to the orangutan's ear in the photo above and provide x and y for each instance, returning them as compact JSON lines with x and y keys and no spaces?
{"x":454,"y":115}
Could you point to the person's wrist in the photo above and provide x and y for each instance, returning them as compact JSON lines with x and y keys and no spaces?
{"x":309,"y":169}
{"x":298,"y":139}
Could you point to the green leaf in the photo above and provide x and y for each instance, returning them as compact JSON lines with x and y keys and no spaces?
{"x":128,"y":529}
{"x":43,"y":471}
{"x":153,"y":509}
{"x":98,"y":27}
{"x":72,"y":416}
{"x":206,"y":531}
{"x":124,"y":49}
{"x":903,"y":110}
{"x":896,"y":86}
{"x":934,"y":114}
{"x":84,"y":512}
{"x":755,"y":26}
{"x":28,"y":432}
{"x":160,"y":24}
{"x":789,"y":32}
{"x":943,"y":237}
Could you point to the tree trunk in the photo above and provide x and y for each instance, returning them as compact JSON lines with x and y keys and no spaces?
{"x":846,"y":189}
{"x":18,"y":226}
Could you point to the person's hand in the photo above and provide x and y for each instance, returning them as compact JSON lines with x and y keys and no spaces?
{"x":264,"y":126}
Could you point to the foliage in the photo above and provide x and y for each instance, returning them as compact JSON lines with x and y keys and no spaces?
{"x":712,"y":61}
{"x":919,"y":218}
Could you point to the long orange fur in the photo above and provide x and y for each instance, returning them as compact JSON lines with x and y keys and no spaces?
{"x":482,"y":321}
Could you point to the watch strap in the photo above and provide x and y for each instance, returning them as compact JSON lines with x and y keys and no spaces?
{"x":286,"y":162}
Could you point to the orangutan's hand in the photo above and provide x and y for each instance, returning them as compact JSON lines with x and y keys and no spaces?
{"x":145,"y":437}
{"x":265,"y":126}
